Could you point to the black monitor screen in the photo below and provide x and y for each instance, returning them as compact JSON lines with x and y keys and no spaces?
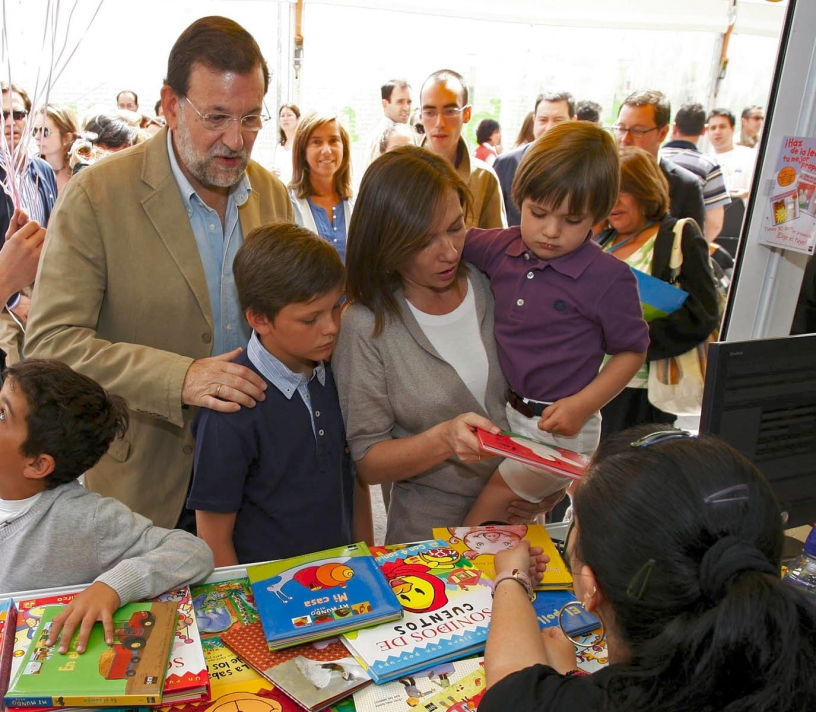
{"x":760,"y":396}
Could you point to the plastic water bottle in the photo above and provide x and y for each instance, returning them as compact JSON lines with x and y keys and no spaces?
{"x":802,"y":570}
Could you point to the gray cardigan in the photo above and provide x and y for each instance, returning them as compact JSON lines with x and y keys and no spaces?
{"x":72,"y":537}
{"x":396,"y":385}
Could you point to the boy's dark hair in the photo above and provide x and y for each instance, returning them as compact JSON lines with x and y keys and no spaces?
{"x":219,"y":44}
{"x":685,"y":538}
{"x":727,"y":114}
{"x":576,"y":160}
{"x":588,"y":111}
{"x":70,"y":416}
{"x":690,"y":119}
{"x":281,"y":264}
{"x":485,"y":129}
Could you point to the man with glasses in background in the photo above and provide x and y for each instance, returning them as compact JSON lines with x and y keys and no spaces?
{"x":643,"y":121}
{"x":34,"y":185}
{"x":752,"y":119}
{"x":136,"y":287}
{"x":444,"y":110}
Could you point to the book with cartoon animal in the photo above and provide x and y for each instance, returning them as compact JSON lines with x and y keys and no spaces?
{"x":131,"y":671}
{"x":566,"y":464}
{"x":480,"y":545}
{"x":313,"y":674}
{"x":411,"y":690}
{"x":320,"y":595}
{"x":447,"y":605}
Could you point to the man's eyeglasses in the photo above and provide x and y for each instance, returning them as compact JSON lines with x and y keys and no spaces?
{"x":220,"y":122}
{"x":18,"y":114}
{"x":636,"y":132}
{"x":450,"y":112}
{"x":37,"y":130}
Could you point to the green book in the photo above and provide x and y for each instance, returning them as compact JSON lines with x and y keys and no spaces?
{"x":129,"y":672}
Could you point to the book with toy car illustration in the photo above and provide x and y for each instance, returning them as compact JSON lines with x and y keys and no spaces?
{"x":129,"y":672}
{"x":320,"y":595}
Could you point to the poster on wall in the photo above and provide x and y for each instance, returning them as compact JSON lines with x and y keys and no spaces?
{"x":789,"y":220}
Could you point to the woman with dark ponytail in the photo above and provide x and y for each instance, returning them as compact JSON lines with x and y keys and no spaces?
{"x":675,"y":545}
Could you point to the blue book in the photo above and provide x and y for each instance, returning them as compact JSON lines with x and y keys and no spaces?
{"x":321,"y":595}
{"x":575,"y":620}
{"x":447,"y":605}
{"x":658,"y":298}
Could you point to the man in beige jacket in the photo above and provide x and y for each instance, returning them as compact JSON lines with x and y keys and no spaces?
{"x":135,"y":286}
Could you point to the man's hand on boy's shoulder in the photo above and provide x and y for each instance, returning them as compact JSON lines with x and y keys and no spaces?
{"x":98,"y":602}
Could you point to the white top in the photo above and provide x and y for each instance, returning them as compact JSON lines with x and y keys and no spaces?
{"x":11,"y":509}
{"x":282,"y":162}
{"x":457,"y":339}
{"x":737,"y":167}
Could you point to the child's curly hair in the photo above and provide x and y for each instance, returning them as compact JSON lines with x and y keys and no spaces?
{"x":69,"y":416}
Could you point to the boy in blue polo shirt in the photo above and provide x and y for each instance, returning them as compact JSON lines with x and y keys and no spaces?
{"x":561,"y":305}
{"x":276,"y":480}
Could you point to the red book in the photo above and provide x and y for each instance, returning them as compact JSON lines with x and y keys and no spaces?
{"x":553,"y":459}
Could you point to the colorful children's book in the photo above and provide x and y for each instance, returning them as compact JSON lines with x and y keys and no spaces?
{"x":575,"y":620}
{"x":320,"y":595}
{"x":131,"y":671}
{"x":408,"y":692}
{"x":313,"y":674}
{"x":553,"y":460}
{"x":8,"y":625}
{"x":187,"y":679}
{"x":447,"y":605}
{"x":658,"y":298}
{"x":464,"y":696}
{"x":480,"y":544}
{"x":218,"y":608}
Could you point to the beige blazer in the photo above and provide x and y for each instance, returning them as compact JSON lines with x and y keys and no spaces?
{"x":121,"y":297}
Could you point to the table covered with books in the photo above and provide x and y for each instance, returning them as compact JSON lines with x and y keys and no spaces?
{"x":388,"y":629}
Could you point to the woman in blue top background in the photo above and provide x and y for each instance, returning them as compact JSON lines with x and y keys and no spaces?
{"x":321,"y":178}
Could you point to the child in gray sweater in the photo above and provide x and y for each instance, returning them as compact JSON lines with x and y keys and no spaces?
{"x":54,"y":425}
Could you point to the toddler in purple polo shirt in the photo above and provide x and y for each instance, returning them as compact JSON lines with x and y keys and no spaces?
{"x":561,"y":305}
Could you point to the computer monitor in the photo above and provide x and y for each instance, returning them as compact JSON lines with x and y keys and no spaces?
{"x":760,"y":397}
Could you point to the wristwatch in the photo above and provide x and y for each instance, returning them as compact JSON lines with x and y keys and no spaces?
{"x":516,"y":575}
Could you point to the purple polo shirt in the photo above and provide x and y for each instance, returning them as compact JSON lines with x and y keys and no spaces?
{"x":556,"y":319}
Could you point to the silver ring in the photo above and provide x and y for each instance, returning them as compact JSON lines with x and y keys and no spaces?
{"x":218,"y":390}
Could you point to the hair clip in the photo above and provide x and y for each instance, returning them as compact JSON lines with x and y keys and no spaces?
{"x":640,"y":581}
{"x":661,"y":436}
{"x":737,"y":493}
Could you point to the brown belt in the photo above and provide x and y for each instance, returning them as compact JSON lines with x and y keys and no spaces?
{"x":528,"y":408}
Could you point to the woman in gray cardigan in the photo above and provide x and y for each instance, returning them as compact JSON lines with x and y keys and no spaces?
{"x":415,"y":362}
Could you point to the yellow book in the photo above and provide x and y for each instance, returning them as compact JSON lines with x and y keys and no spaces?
{"x":481,"y":544}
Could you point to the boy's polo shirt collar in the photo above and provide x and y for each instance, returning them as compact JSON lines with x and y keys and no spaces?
{"x":277,"y":373}
{"x":572,"y":265}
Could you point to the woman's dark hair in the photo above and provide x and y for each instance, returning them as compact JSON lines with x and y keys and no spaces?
{"x":301,"y":181}
{"x":685,"y":537}
{"x":295,"y":110}
{"x":399,"y":199}
{"x":281,"y":264}
{"x":219,"y":44}
{"x":643,"y":179}
{"x":69,"y":416}
{"x":111,"y":131}
{"x":485,"y":129}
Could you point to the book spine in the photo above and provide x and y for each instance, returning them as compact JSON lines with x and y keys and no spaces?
{"x":82,"y":701}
